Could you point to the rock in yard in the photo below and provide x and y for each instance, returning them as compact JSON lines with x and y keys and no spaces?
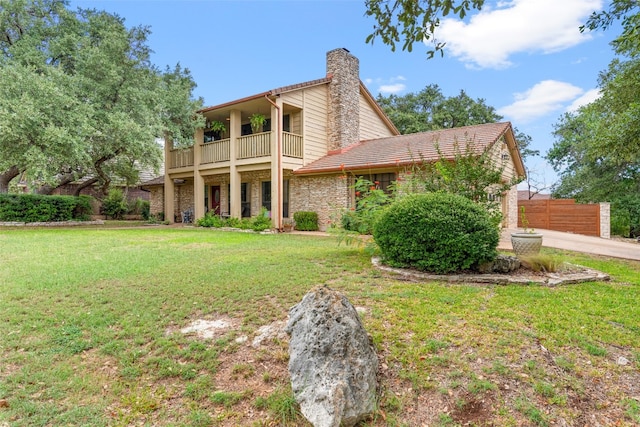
{"x":331,"y":360}
{"x":502,"y":264}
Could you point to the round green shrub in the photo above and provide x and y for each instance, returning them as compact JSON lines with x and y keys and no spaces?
{"x":436,"y":232}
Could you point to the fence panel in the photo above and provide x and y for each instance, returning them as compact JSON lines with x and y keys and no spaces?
{"x":562,"y":215}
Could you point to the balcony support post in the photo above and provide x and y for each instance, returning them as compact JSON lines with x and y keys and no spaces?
{"x":276,"y":167}
{"x":235,"y":180}
{"x":198,"y":180}
{"x":169,"y":189}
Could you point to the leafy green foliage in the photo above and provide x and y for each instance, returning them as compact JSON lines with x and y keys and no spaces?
{"x":210,"y":220}
{"x":626,"y":11}
{"x":370,"y":200}
{"x":306,"y":221}
{"x":429,"y":110}
{"x":140,"y":207}
{"x":470,"y":175}
{"x":437,"y":232}
{"x":411,"y":21}
{"x":115,"y":204}
{"x":37,"y":208}
{"x":597,"y":149}
{"x":260,"y":222}
{"x":105,"y":102}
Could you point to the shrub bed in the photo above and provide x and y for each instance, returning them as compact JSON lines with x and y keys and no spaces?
{"x":40,"y":208}
{"x":436,"y":232}
{"x":306,"y":221}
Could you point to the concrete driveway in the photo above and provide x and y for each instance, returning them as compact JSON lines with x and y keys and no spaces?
{"x":579,"y":243}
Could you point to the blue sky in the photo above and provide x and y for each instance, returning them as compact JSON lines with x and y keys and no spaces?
{"x":526,"y":58}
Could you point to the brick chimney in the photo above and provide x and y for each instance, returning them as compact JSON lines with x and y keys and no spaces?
{"x":344,"y":99}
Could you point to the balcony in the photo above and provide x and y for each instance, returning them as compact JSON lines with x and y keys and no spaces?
{"x":251,"y":146}
{"x":181,"y":158}
{"x":247,"y":147}
{"x":292,"y":145}
{"x":216,"y":151}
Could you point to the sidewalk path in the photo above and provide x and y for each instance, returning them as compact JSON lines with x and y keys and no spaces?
{"x":580,"y":243}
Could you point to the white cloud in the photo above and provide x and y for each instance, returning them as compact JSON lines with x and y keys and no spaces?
{"x":587,"y":98}
{"x":543,"y":98}
{"x":494,"y":34}
{"x":391,"y":85}
{"x":392,"y":88}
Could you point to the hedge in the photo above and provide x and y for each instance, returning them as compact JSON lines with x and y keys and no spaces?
{"x":436,"y":232}
{"x":40,"y":208}
{"x":306,"y":221}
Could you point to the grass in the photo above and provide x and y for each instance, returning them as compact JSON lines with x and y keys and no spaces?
{"x":85,"y":315}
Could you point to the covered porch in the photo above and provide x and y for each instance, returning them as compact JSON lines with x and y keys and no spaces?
{"x":236,"y":166}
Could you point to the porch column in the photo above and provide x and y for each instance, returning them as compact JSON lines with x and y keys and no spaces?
{"x":235,"y":131}
{"x":198,"y":180}
{"x":276,"y":166}
{"x":169,"y":189}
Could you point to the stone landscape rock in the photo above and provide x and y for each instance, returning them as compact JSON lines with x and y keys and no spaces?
{"x":502,"y":264}
{"x":332,"y":362}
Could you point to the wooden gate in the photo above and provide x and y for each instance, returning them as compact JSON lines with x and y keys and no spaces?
{"x":561,"y":215}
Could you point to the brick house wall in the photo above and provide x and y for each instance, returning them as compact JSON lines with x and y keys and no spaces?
{"x":328,"y":196}
{"x":156,"y":200}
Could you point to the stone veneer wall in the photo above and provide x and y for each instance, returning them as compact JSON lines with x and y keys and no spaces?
{"x":512,"y":208}
{"x":605,"y":220}
{"x":182,"y":200}
{"x":156,"y":200}
{"x":325,"y":195}
{"x":343,"y":126}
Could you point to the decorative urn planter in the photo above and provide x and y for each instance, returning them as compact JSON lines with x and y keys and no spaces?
{"x":526,"y":243}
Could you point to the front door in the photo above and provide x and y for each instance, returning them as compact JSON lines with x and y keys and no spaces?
{"x":215,"y":199}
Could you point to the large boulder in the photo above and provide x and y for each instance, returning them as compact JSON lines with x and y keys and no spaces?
{"x":332,"y":362}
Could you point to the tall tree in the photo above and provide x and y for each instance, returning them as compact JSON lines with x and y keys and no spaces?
{"x":429,"y":110}
{"x":80,"y":97}
{"x":597,"y":149}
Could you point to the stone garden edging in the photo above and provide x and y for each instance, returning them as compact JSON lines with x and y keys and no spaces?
{"x":546,"y":279}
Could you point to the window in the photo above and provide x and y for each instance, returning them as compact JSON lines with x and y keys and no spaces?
{"x":245,"y":129}
{"x":383,"y":180}
{"x":210,"y":136}
{"x":285,"y":198}
{"x":245,"y":199}
{"x":266,"y":195}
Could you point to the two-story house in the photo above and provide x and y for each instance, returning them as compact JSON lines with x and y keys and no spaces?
{"x":315,"y":134}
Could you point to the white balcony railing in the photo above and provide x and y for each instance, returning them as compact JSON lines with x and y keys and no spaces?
{"x":216,"y":151}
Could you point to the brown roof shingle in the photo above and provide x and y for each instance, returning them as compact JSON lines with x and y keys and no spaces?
{"x":407,"y":149}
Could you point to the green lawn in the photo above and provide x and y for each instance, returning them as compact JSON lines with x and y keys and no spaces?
{"x":88,"y":319}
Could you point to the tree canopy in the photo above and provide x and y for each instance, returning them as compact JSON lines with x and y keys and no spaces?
{"x":429,"y":110}
{"x":597,"y":148}
{"x":410,"y":21}
{"x":405,"y":22}
{"x":80,"y":99}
